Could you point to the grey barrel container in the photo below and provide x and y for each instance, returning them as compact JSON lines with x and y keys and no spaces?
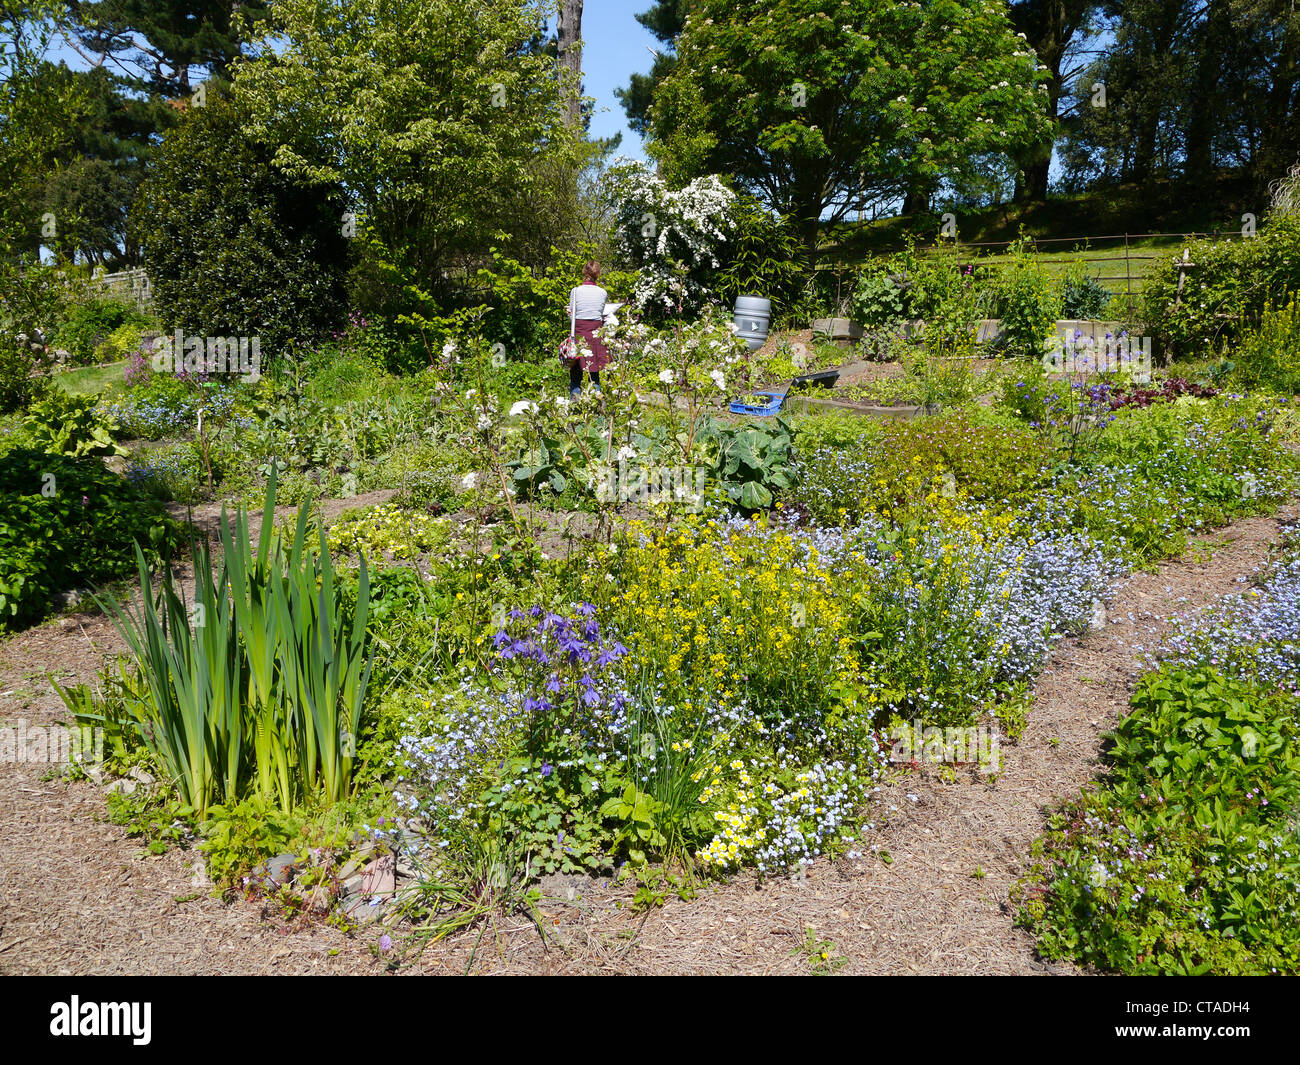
{"x":753,"y":316}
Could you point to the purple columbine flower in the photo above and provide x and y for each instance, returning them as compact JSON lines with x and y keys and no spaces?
{"x":547,"y":769}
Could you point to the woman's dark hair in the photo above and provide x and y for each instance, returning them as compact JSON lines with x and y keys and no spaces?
{"x":590,"y":272}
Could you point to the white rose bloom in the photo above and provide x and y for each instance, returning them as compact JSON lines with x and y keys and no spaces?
{"x":522,"y":407}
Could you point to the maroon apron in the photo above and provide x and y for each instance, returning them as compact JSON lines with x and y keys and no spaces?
{"x":598,"y":357}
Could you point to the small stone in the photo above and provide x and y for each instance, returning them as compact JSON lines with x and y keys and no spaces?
{"x":67,"y":599}
{"x":360,"y":910}
{"x":380,"y":877}
{"x":95,"y":774}
{"x":199,"y":873}
{"x":280,"y":868}
{"x":360,"y":857}
{"x":406,"y":870}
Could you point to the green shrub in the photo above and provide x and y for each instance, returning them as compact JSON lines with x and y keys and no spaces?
{"x":123,"y":341}
{"x":32,"y":301}
{"x":1226,"y":292}
{"x":65,"y":523}
{"x":877,"y":301}
{"x":933,"y":288}
{"x":833,"y":429}
{"x":1028,"y":304}
{"x":89,"y":328}
{"x":1185,"y":860}
{"x":24,"y":370}
{"x":234,"y":247}
{"x":1083,"y":297}
{"x":989,"y":458}
{"x":763,"y":256}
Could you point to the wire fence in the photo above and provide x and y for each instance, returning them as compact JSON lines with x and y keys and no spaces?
{"x":1135,"y":260}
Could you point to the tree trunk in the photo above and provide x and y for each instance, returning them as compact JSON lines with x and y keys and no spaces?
{"x":1031,"y":185}
{"x":917,"y":201}
{"x":568,"y":33}
{"x":1205,"y":102}
{"x":1278,"y":139}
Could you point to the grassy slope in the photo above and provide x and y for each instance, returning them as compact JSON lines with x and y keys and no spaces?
{"x":1063,"y":222}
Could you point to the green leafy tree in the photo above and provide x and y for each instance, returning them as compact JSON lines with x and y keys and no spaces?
{"x":39,"y":106}
{"x":1188,"y":89}
{"x":433,"y":115}
{"x":817,"y":105}
{"x":88,"y":198}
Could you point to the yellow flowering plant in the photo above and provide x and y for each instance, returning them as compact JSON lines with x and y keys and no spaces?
{"x":750,"y":616}
{"x":389,"y":531}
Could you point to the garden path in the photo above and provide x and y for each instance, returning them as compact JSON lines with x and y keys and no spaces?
{"x":79,"y":897}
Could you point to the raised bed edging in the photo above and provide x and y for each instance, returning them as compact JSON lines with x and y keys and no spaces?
{"x":809,"y":405}
{"x":843,"y":330}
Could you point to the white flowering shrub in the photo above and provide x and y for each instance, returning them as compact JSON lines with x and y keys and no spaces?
{"x":672,"y":237}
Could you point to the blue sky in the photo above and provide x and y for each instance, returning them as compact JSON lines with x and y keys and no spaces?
{"x":614,"y":46}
